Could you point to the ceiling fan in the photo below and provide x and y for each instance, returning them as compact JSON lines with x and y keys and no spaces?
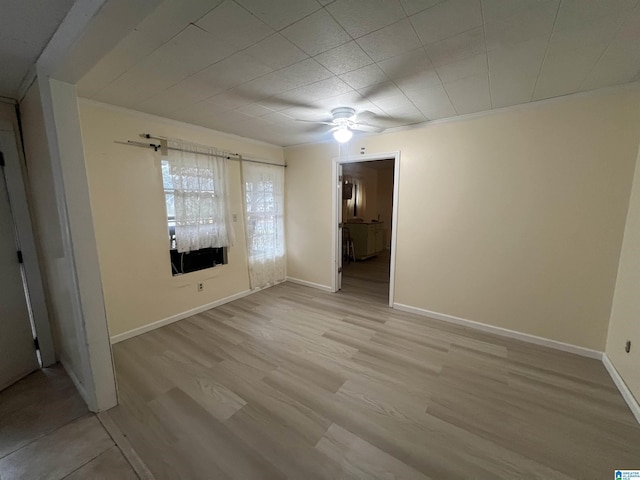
{"x":345,"y":121}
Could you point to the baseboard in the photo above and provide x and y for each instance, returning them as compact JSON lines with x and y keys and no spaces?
{"x":179,"y":316}
{"x":504,"y":332}
{"x":324,"y":288}
{"x":634,"y":406}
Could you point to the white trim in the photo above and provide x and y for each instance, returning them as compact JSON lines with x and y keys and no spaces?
{"x":633,"y":404}
{"x":504,"y":332}
{"x":324,"y":288}
{"x":179,"y":316}
{"x":395,"y":155}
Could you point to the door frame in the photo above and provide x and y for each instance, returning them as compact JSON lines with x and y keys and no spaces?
{"x":336,"y":190}
{"x":24,"y":228}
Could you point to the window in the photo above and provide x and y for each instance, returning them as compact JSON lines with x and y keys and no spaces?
{"x":264,"y":198}
{"x":199,"y":230}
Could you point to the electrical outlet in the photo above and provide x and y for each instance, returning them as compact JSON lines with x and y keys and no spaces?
{"x":627,"y":346}
{"x":234,"y":217}
{"x":200,"y":287}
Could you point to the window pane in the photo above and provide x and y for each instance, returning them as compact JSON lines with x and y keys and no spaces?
{"x":166,"y":176}
{"x":171,"y":209}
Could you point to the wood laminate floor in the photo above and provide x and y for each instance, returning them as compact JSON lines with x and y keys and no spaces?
{"x":296,"y":383}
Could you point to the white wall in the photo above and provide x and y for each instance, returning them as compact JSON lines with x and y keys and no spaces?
{"x":128,"y":205}
{"x":58,"y":185}
{"x":625,"y":314}
{"x":513,"y":219}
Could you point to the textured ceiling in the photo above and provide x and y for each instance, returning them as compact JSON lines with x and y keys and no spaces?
{"x":25,"y":29}
{"x":252,"y":67}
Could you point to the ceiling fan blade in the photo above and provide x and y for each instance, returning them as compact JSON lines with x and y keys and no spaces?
{"x":365,"y":127}
{"x":314,"y":121}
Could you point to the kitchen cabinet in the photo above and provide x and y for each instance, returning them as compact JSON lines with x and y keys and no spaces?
{"x":368,"y":238}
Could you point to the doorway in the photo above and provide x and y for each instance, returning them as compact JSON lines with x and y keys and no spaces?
{"x":365,"y":200}
{"x":17,"y":348}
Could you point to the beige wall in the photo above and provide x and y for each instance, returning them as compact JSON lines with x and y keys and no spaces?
{"x":130,"y":219}
{"x":513,"y":219}
{"x":625,"y":314}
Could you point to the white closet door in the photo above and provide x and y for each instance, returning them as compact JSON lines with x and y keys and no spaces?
{"x":17,"y":352}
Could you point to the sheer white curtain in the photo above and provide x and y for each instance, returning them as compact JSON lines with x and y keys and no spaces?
{"x":264,"y":199}
{"x":200,"y":196}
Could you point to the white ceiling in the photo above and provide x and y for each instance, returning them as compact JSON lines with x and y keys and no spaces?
{"x":252,"y":67}
{"x":25,"y":29}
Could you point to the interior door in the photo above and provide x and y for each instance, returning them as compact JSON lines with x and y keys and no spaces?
{"x":17,"y":351}
{"x":339,"y":254}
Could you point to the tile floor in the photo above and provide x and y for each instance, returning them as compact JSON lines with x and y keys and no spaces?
{"x":46,"y":432}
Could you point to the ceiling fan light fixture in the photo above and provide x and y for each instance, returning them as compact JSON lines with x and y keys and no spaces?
{"x":343,"y":134}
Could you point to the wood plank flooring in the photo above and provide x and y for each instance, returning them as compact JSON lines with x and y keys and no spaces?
{"x":296,"y":383}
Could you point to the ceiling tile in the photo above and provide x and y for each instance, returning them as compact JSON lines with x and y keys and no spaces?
{"x":509,"y":87}
{"x":149,"y":77}
{"x":351,"y":99}
{"x":297,"y":75}
{"x":359,"y":17}
{"x":254,"y":110}
{"x":525,"y":25}
{"x":280,"y":13}
{"x":493,"y":10}
{"x":187,"y":92}
{"x":276,"y":51}
{"x":525,"y":57}
{"x":601,"y":31}
{"x":390,"y":41}
{"x":458,"y":47}
{"x":470,"y":94}
{"x":575,"y":12}
{"x":235,"y":70}
{"x":323,"y":89}
{"x":393,"y":102}
{"x":406,"y":64}
{"x":467,"y":67}
{"x":447,"y":19}
{"x":364,"y":77}
{"x":433,"y":102}
{"x":232,"y":24}
{"x":316,"y":33}
{"x":621,"y":61}
{"x":414,"y":6}
{"x":419,"y":80}
{"x":194,"y":49}
{"x":405,"y":115}
{"x":563,"y":71}
{"x":380,"y":91}
{"x":343,"y":59}
{"x":228,"y":100}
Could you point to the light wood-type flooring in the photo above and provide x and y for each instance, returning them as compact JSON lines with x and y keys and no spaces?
{"x":292,"y":382}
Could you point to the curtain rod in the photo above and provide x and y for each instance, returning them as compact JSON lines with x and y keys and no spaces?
{"x":156,"y":147}
{"x":230,"y":156}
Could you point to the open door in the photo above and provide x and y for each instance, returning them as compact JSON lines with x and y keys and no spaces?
{"x":17,"y":349}
{"x":339,"y":242}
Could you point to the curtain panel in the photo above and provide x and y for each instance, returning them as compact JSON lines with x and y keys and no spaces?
{"x":201,"y":196}
{"x":264,"y":213}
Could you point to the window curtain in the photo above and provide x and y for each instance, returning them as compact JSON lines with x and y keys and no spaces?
{"x":200,"y":196}
{"x":264,"y":200}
